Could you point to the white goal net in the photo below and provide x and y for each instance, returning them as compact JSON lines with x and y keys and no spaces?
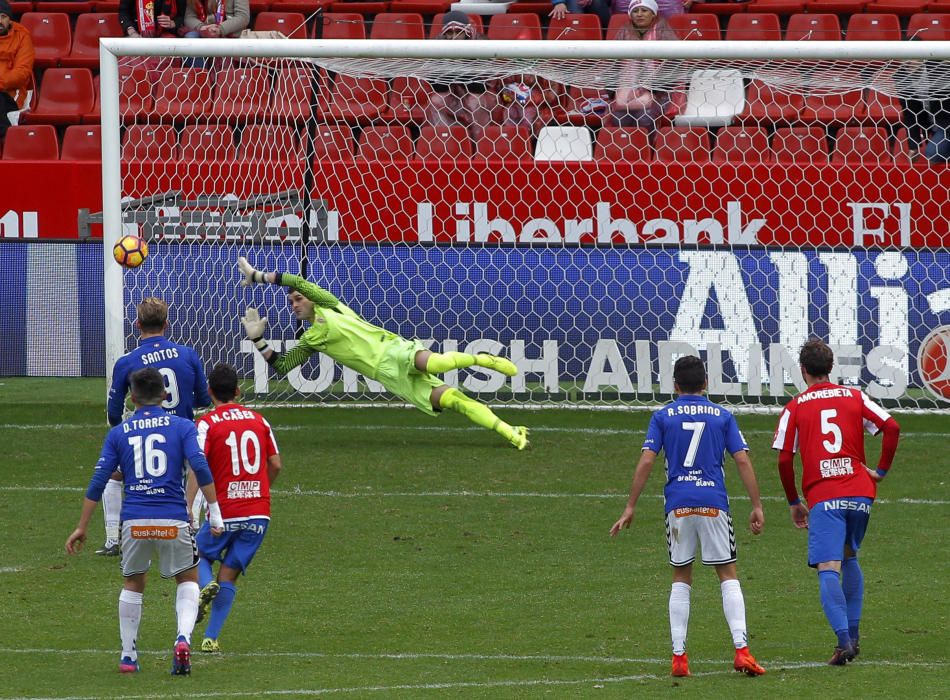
{"x":591,"y":210}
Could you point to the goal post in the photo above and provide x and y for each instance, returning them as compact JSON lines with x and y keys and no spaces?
{"x":778,"y":193}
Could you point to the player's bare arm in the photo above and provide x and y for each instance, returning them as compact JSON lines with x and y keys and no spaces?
{"x":273,"y":467}
{"x":640,"y":476}
{"x":77,"y":539}
{"x":747,"y":475}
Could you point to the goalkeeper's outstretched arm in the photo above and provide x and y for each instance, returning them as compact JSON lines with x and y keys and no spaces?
{"x":314,"y":292}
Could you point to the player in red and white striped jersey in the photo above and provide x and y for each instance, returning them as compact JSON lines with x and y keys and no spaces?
{"x":244,"y":459}
{"x":826,"y":423}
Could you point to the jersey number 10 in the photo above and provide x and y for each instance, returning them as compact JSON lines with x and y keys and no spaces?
{"x":245,"y":452}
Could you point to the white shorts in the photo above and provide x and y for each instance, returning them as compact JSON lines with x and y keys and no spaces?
{"x":169,"y":540}
{"x":710,"y":528}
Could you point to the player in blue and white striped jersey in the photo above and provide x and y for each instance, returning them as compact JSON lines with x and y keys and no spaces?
{"x":152,"y":450}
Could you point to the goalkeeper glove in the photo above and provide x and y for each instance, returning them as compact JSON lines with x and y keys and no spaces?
{"x":254,"y":327}
{"x":251,"y":276}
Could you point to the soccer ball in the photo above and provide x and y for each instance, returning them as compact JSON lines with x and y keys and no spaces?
{"x":933,"y":362}
{"x":130,"y":251}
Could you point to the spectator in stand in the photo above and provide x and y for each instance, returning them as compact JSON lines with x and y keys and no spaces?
{"x":601,"y":8}
{"x":152,"y":18}
{"x":465,"y":103}
{"x":927,"y":120}
{"x":638,"y":101}
{"x":215,"y":19}
{"x":666,"y":8}
{"x":16,"y":66}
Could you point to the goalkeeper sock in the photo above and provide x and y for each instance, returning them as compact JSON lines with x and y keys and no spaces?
{"x":186,"y":605}
{"x":130,"y":615}
{"x":220,"y":609}
{"x":679,"y":615}
{"x":442,"y":362}
{"x":477,"y":412}
{"x":852,"y":583}
{"x":834,"y":605}
{"x":111,"y":509}
{"x":733,"y":606}
{"x":205,"y":572}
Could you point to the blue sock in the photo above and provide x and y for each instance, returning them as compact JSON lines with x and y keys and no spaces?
{"x":835,"y":607}
{"x":852,"y":582}
{"x":205,"y":574}
{"x":220,"y":609}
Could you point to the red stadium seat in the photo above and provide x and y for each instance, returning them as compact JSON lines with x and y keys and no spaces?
{"x":52,"y":36}
{"x":333,"y":142}
{"x":765,"y":104}
{"x":779,"y":7}
{"x":575,"y":100}
{"x":105,"y":6}
{"x":149,"y":142}
{"x":881,"y":107}
{"x":293,"y":93}
{"x":504,"y":143}
{"x":304,"y":7}
{"x":862,"y":144}
{"x":89,"y":29}
{"x":682,"y":143}
{"x":340,"y":25}
{"x":65,"y":95}
{"x":901,"y":149}
{"x":928,"y":27}
{"x":901,"y":8}
{"x":575,"y":28}
{"x":806,"y":27}
{"x":82,"y":143}
{"x":618,"y":23}
{"x":182,"y":93}
{"x":424,"y":7}
{"x":135,"y":93}
{"x":718,"y":8}
{"x":397,"y":25}
{"x":800,"y":145}
{"x":435,"y":28}
{"x":70,"y":7}
{"x":695,"y":27}
{"x":94,"y":115}
{"x":846,"y":105}
{"x":873,"y":28}
{"x":205,"y":142}
{"x":409,"y":99}
{"x":270,"y":142}
{"x":625,"y":144}
{"x":355,"y":99}
{"x":835,"y":7}
{"x":742,"y":144}
{"x":290,"y":24}
{"x":443,"y":143}
{"x":31,"y":143}
{"x":754,"y":26}
{"x":241,"y":94}
{"x":514,"y":27}
{"x":385,"y":143}
{"x":19,"y":8}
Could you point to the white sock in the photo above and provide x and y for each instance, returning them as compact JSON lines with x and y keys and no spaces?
{"x":130,"y":615}
{"x":679,"y":615}
{"x":111,"y":509}
{"x":186,"y":605}
{"x":733,"y":605}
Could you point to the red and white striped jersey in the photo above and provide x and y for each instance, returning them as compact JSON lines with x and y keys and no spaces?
{"x":238,"y":442}
{"x":826,"y":424}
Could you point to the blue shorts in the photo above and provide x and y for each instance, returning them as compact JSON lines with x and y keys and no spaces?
{"x":834,"y":525}
{"x":236,"y":546}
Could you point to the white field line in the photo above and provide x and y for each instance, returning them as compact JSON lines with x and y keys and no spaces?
{"x":280,"y":493}
{"x":425,"y":428}
{"x":449,"y":685}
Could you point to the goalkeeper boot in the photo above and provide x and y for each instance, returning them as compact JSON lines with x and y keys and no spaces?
{"x":499,"y":364}
{"x":210,"y":646}
{"x":746,"y":663}
{"x":680,"y":665}
{"x":109,"y":549}
{"x":181,"y":658}
{"x":519,"y":437}
{"x":128,"y":665}
{"x":842,"y":656}
{"x":205,"y":599}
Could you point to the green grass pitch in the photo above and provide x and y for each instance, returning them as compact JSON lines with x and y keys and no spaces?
{"x":411,"y":557}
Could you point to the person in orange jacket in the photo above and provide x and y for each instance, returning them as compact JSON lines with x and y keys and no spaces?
{"x":16,"y":65}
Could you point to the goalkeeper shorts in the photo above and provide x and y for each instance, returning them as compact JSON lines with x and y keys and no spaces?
{"x":397,"y":372}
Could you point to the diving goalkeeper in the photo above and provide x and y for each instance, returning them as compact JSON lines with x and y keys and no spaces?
{"x":404,"y":367}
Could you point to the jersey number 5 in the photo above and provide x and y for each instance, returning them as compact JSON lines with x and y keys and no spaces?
{"x":245,"y":453}
{"x":828,"y":427}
